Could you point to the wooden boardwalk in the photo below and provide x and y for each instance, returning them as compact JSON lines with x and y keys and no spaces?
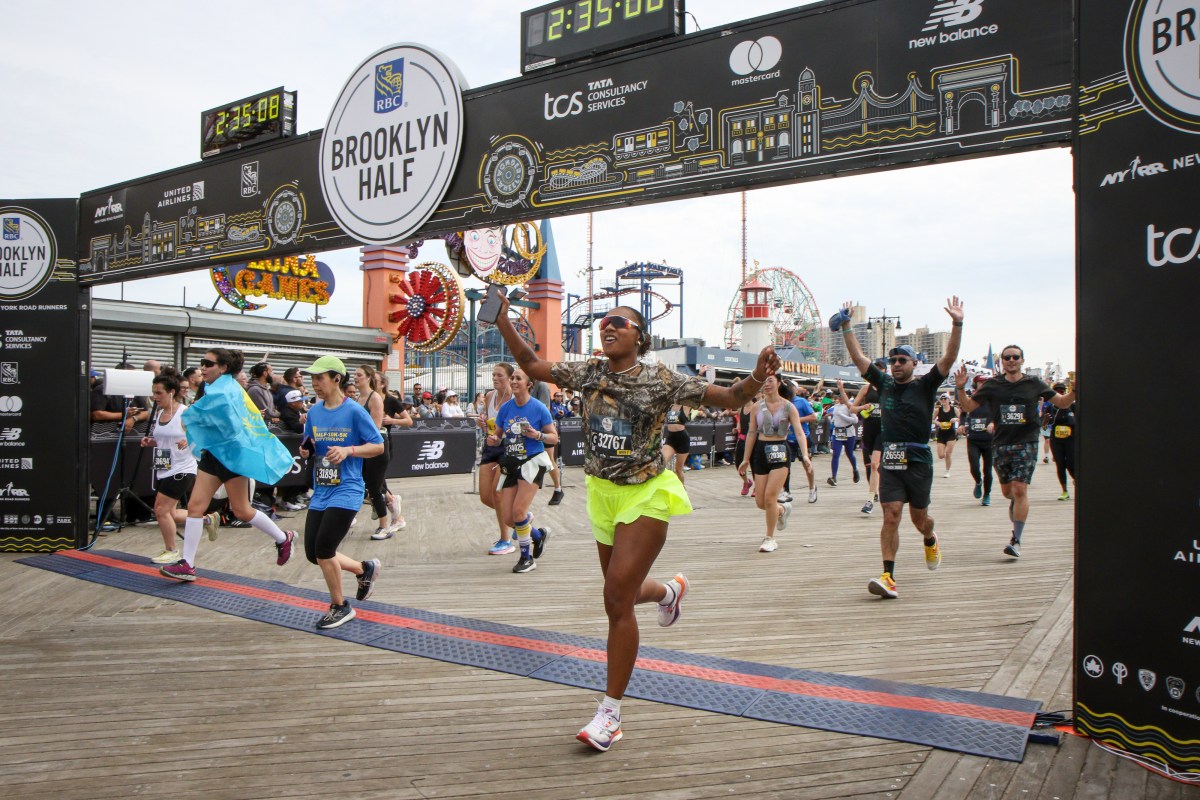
{"x":110,"y":694}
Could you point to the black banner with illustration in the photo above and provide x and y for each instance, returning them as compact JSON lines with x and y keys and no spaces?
{"x":1137,"y":178}
{"x":42,"y":386}
{"x":830,"y":88}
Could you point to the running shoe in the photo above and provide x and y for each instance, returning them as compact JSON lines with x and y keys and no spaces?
{"x":769,"y":545}
{"x":884,"y":586}
{"x":397,"y":525}
{"x":524,"y":564}
{"x":539,"y":545}
{"x":832,"y":481}
{"x":933,"y":555}
{"x":868,"y":507}
{"x":603,"y":731}
{"x":288,"y":505}
{"x":812,"y":495}
{"x":1045,"y":459}
{"x":1064,"y":496}
{"x":180,"y":571}
{"x":166,"y":557}
{"x":785,"y":497}
{"x":781,"y":523}
{"x":986,"y":501}
{"x":746,"y":487}
{"x":212,"y":525}
{"x":947,"y":475}
{"x":337,"y":615}
{"x":382,"y":533}
{"x":978,"y":490}
{"x":284,"y":548}
{"x":1013,"y":548}
{"x":556,"y":498}
{"x":366,"y":581}
{"x":856,"y":476}
{"x":502,"y":548}
{"x":668,"y":615}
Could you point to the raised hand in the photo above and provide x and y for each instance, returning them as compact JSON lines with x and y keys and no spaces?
{"x":954,"y":308}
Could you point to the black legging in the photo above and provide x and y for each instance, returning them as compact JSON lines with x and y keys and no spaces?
{"x":975,"y":452}
{"x":324,"y":531}
{"x":1063,"y":451}
{"x":374,"y":472}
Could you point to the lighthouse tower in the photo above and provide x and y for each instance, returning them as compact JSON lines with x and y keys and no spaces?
{"x":756,"y":316}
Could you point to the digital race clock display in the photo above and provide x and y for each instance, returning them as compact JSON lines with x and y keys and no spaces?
{"x":567,"y":31}
{"x":259,"y":118}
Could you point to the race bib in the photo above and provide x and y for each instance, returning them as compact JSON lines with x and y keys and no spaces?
{"x":611,"y":437}
{"x":1063,"y":431}
{"x":328,"y":473}
{"x":946,"y":425}
{"x":977,"y":425}
{"x":841,"y":434}
{"x":776,"y":453}
{"x":162,"y":459}
{"x":876,"y":411}
{"x":673,"y":417}
{"x":894,"y":456}
{"x":1012,"y":414}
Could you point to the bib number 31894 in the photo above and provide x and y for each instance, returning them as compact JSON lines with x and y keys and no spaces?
{"x":328,"y":473}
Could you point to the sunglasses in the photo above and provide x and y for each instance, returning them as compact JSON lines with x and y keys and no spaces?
{"x":1011,"y":357}
{"x":618,"y":322}
{"x":898,"y":360}
{"x":204,"y":362}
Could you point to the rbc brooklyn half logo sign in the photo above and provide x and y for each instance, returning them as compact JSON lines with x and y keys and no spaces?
{"x":27,"y":253}
{"x":1162,"y":48}
{"x":392,"y":142}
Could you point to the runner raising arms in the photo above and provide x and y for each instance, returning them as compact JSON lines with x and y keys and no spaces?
{"x":631,"y":492}
{"x":906,"y":465}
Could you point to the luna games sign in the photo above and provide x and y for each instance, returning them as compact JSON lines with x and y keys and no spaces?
{"x":299,"y":279}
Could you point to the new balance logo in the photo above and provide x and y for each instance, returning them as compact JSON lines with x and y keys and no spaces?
{"x":431,"y":451}
{"x":951,"y":13}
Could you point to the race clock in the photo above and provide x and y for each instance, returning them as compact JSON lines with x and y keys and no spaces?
{"x":562,"y":32}
{"x":252,"y":120}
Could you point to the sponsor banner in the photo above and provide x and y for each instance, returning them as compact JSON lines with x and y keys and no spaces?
{"x":570,"y":437}
{"x":42,"y":399}
{"x":1138,"y":211}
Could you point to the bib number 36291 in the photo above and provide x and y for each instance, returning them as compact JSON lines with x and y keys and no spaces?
{"x":1012,"y":414}
{"x":895,"y":456}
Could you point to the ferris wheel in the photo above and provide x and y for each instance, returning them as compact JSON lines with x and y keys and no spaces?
{"x":795,"y":317}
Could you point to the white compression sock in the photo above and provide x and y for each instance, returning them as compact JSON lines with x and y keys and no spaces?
{"x":615,"y":705}
{"x":264,"y":524}
{"x":192,"y":531}
{"x":672,"y":593}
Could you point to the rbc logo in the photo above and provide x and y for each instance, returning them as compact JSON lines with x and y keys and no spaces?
{"x":12,"y":228}
{"x":389,"y":86}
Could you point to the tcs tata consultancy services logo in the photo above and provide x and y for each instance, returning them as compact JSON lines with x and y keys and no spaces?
{"x":1162,"y":48}
{"x":392,"y":143}
{"x":28,"y":252}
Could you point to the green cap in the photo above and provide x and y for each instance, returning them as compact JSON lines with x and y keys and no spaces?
{"x":326,"y":364}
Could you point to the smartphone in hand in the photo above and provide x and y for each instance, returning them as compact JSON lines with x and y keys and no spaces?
{"x":490,"y":310}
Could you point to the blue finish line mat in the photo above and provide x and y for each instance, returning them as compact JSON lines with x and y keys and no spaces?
{"x":986,"y":725}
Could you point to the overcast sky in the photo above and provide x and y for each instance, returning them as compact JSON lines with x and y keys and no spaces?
{"x":101,"y":93}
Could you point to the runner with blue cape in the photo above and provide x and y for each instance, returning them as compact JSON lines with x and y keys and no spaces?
{"x":226,"y":423}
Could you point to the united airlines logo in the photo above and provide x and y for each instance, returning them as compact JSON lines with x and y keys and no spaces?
{"x":389,"y":86}
{"x":952,"y":13}
{"x":12,"y":228}
{"x":431,"y":451}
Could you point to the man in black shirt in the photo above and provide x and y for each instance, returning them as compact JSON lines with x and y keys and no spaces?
{"x":1013,"y":398}
{"x":906,"y":465}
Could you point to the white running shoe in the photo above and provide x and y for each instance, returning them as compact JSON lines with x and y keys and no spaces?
{"x":668,"y":615}
{"x":769,"y":545}
{"x":212,"y":525}
{"x":781,"y":523}
{"x":166,"y":557}
{"x":603,"y":731}
{"x":812,"y":495}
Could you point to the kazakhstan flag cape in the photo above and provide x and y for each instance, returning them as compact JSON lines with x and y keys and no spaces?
{"x":226,"y":423}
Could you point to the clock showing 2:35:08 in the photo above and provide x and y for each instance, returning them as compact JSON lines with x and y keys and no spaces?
{"x":251,"y":120}
{"x":569,"y":30}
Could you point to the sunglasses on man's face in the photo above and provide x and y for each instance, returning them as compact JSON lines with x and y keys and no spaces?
{"x":204,"y":362}
{"x":1010,"y":357}
{"x":618,"y":322}
{"x":897,"y":360}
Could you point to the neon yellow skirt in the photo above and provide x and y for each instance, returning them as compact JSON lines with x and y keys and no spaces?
{"x":610,"y":504}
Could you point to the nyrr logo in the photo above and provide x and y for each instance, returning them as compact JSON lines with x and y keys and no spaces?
{"x":389,"y":86}
{"x":1136,"y":170}
{"x":431,"y":451}
{"x":952,"y":13}
{"x":110,"y":211}
{"x":12,"y":491}
{"x":1162,"y":47}
{"x":563,"y":106}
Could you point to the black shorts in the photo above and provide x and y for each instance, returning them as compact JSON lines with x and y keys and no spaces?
{"x":944,"y":437}
{"x":739,"y":452}
{"x":910,"y":485}
{"x":759,"y":465}
{"x":678,"y":441}
{"x":794,"y":451}
{"x":872,"y":438}
{"x":512,"y":474}
{"x":212,"y":465}
{"x":491,"y":455}
{"x":176,"y":486}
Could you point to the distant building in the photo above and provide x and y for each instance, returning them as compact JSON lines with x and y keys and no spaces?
{"x":930,"y":344}
{"x":875,"y":338}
